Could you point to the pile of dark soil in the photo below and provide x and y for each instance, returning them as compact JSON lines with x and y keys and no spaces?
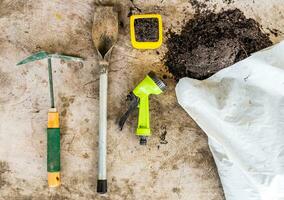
{"x":211,"y":42}
{"x":146,"y":29}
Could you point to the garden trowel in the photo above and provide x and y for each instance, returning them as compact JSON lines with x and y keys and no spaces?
{"x":105,"y":31}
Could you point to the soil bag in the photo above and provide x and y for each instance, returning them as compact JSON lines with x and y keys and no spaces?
{"x":241,"y":109}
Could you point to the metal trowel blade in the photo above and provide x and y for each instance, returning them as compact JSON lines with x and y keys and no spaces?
{"x":105,"y":28}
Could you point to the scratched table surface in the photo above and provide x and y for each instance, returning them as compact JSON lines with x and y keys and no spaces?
{"x":176,"y":163}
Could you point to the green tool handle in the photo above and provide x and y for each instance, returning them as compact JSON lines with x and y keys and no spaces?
{"x":143,"y":128}
{"x":53,"y":149}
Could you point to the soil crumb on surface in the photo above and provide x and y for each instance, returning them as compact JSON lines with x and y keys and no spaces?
{"x":211,"y":42}
{"x":146,"y":29}
{"x":4,"y":168}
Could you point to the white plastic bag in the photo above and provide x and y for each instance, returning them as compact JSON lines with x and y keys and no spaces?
{"x":241,"y":109}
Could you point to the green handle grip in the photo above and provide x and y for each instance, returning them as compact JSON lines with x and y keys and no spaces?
{"x":143,"y":128}
{"x":53,"y":149}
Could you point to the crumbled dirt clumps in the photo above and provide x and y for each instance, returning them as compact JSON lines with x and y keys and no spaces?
{"x":146,"y":29}
{"x":4,"y":168}
{"x":211,"y":42}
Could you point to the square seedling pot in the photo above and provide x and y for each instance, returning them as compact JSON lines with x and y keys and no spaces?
{"x":146,"y":44}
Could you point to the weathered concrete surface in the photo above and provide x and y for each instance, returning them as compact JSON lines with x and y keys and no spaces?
{"x":181,"y":169}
